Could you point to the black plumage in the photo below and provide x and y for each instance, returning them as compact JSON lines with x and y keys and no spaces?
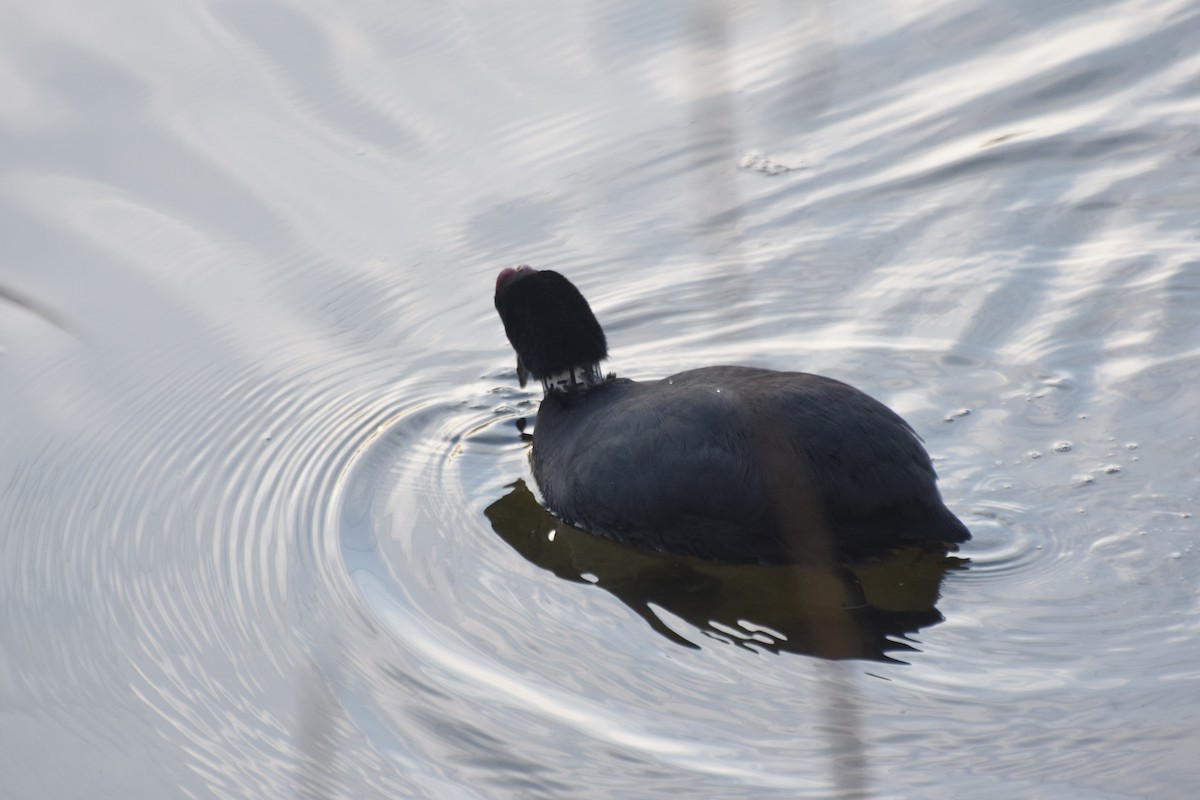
{"x":733,"y":464}
{"x":548,"y":322}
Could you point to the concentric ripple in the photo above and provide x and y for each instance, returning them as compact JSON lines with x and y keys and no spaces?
{"x":410,"y":535}
{"x":193,"y":507}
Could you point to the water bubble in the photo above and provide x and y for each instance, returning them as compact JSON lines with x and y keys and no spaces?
{"x":759,"y":162}
{"x":1062,"y":447}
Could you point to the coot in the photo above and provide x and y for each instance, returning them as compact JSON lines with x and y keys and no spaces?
{"x":732,"y":464}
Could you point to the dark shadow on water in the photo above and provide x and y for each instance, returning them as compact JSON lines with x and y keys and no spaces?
{"x":862,"y":610}
{"x":35,"y":307}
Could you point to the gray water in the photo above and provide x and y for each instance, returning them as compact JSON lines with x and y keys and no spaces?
{"x":265,"y":521}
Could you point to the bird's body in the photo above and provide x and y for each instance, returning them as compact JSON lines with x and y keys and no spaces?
{"x":733,"y":464}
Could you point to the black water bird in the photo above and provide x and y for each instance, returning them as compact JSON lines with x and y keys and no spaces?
{"x":731,"y":464}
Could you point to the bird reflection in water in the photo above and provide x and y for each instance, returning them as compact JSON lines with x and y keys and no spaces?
{"x":860,"y":610}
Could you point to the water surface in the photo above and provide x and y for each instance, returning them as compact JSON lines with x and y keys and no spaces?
{"x":259,"y":455}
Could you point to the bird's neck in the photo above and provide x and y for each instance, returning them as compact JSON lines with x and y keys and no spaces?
{"x":576,"y":379}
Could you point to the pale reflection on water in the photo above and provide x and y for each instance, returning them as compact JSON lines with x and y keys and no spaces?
{"x":265,"y":526}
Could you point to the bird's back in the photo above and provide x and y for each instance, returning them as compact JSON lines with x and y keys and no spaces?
{"x":739,"y":464}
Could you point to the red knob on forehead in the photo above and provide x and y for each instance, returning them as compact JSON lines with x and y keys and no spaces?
{"x":510,"y":272}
